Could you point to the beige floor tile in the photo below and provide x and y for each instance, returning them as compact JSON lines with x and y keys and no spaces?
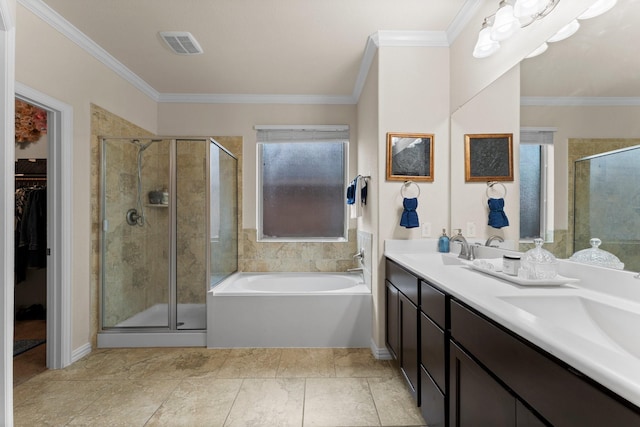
{"x":251,"y":363}
{"x":38,"y":403}
{"x":339,"y":402}
{"x":306,"y":363}
{"x":268,"y":402}
{"x":360,"y":363}
{"x":395,"y":405}
{"x":198,"y":402}
{"x":128,"y":403}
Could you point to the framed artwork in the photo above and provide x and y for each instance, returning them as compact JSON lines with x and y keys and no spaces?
{"x":488,"y":157}
{"x":409,"y":157}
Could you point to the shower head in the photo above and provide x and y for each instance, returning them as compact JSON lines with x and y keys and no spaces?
{"x":141,"y":146}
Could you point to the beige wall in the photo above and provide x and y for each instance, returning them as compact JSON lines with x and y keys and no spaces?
{"x":50,"y":63}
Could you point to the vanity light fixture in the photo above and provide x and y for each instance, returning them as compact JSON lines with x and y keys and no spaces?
{"x":485,"y":46}
{"x":565,"y":32}
{"x":598,"y":8}
{"x":508,"y":19}
{"x":538,"y":51}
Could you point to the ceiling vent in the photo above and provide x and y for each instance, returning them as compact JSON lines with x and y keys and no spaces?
{"x":181,"y":42}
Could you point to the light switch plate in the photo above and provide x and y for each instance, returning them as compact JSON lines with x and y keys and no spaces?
{"x":426,"y":229}
{"x":471,"y":229}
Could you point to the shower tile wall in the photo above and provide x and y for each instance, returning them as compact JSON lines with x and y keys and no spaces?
{"x":137,"y":257}
{"x":192,"y":219}
{"x":296,"y":256}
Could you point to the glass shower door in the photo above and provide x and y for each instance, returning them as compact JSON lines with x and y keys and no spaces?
{"x":191,"y":232}
{"x":136,"y":242}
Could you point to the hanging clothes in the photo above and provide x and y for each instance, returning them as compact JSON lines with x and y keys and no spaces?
{"x":30,"y":230}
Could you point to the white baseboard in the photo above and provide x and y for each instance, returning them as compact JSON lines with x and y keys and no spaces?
{"x":381,"y":353}
{"x":80,"y":352}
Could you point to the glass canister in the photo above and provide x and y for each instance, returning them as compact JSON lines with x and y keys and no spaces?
{"x":538,"y":263}
{"x":596,"y":256}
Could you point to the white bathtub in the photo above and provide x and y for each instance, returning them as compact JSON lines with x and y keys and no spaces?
{"x":289,"y":310}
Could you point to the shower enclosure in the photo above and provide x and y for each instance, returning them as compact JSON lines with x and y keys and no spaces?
{"x":607,"y":204}
{"x":169,"y":231}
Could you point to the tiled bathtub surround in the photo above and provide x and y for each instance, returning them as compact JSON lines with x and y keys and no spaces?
{"x":198,"y":387}
{"x":296,"y":256}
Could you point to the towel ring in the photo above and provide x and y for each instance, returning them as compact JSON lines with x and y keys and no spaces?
{"x":490,"y":185}
{"x":407,"y":184}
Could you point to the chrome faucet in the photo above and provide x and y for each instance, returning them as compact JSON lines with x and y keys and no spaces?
{"x":465,"y":252}
{"x":352,"y":270}
{"x":492,"y":238}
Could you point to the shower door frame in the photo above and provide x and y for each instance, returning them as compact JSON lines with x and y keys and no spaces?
{"x":172,"y":302}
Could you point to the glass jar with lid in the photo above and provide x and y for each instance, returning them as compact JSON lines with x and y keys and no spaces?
{"x":538,"y":263}
{"x":596,"y":256}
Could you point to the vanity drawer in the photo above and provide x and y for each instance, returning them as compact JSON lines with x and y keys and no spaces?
{"x":432,"y":346}
{"x":434,"y":304}
{"x":406,"y":282}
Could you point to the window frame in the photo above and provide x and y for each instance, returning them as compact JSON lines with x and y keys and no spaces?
{"x":260,"y":237}
{"x":543,"y":138}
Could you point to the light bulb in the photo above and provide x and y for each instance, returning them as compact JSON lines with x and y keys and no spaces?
{"x":538,"y":51}
{"x":565,"y":32}
{"x":485,"y":46}
{"x":505,"y":24}
{"x":597,"y":9}
{"x":528,"y":8}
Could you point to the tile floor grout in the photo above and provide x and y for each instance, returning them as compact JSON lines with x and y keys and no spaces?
{"x":198,"y":378}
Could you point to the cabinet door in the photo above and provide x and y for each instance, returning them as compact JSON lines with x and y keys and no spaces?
{"x":476,"y":399}
{"x":526,"y":418}
{"x":393,"y":320}
{"x":409,"y":343}
{"x":432,"y":355}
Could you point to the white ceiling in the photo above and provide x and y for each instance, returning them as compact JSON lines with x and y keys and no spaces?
{"x":601,"y":60}
{"x":315,"y":47}
{"x":263,"y":47}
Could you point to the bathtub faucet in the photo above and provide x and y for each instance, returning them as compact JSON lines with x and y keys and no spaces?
{"x":352,"y":270}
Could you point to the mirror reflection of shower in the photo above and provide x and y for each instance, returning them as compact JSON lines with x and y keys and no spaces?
{"x":135,"y":216}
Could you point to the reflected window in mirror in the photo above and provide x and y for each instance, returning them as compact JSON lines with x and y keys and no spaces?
{"x":536,"y":147}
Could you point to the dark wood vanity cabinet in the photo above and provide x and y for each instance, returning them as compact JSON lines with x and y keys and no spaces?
{"x":485,"y":356}
{"x":402,"y":325}
{"x":465,"y":370}
{"x":434,"y":364}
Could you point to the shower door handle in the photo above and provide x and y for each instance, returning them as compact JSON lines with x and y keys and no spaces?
{"x":105,"y":225}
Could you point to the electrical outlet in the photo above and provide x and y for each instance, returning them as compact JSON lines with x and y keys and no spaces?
{"x":471,"y":229}
{"x":426,"y":229}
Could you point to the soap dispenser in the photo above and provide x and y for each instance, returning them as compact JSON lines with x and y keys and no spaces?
{"x":443,"y":242}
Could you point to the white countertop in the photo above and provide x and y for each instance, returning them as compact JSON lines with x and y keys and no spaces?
{"x":590,"y":351}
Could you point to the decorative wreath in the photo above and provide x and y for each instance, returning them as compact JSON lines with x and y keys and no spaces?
{"x":31,"y":122}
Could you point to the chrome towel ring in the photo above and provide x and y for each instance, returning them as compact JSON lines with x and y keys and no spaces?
{"x":492,"y":184}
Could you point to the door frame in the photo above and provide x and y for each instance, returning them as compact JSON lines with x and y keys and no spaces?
{"x":59,"y":216}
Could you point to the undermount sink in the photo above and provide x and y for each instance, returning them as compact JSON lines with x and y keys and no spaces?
{"x":602,"y":323}
{"x":452,"y":259}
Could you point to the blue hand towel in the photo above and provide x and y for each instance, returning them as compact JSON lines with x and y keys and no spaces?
{"x":409,"y":217}
{"x":497,"y":217}
{"x":351,"y":192}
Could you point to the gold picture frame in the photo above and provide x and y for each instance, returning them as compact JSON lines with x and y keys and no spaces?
{"x":488,"y":157}
{"x":410,"y":157}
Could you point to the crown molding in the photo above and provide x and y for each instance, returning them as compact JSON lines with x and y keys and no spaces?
{"x":56,"y":21}
{"x":462,"y":19}
{"x":376,"y":40}
{"x":213,"y":98}
{"x":579,"y":101}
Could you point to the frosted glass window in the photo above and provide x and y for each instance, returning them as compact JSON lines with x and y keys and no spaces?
{"x":530,"y":191}
{"x":302,"y":190}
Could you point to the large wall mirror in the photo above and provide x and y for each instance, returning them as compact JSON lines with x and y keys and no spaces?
{"x":587,"y":87}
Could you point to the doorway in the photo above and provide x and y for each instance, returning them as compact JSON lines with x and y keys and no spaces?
{"x":58,"y":179}
{"x":30,"y":241}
